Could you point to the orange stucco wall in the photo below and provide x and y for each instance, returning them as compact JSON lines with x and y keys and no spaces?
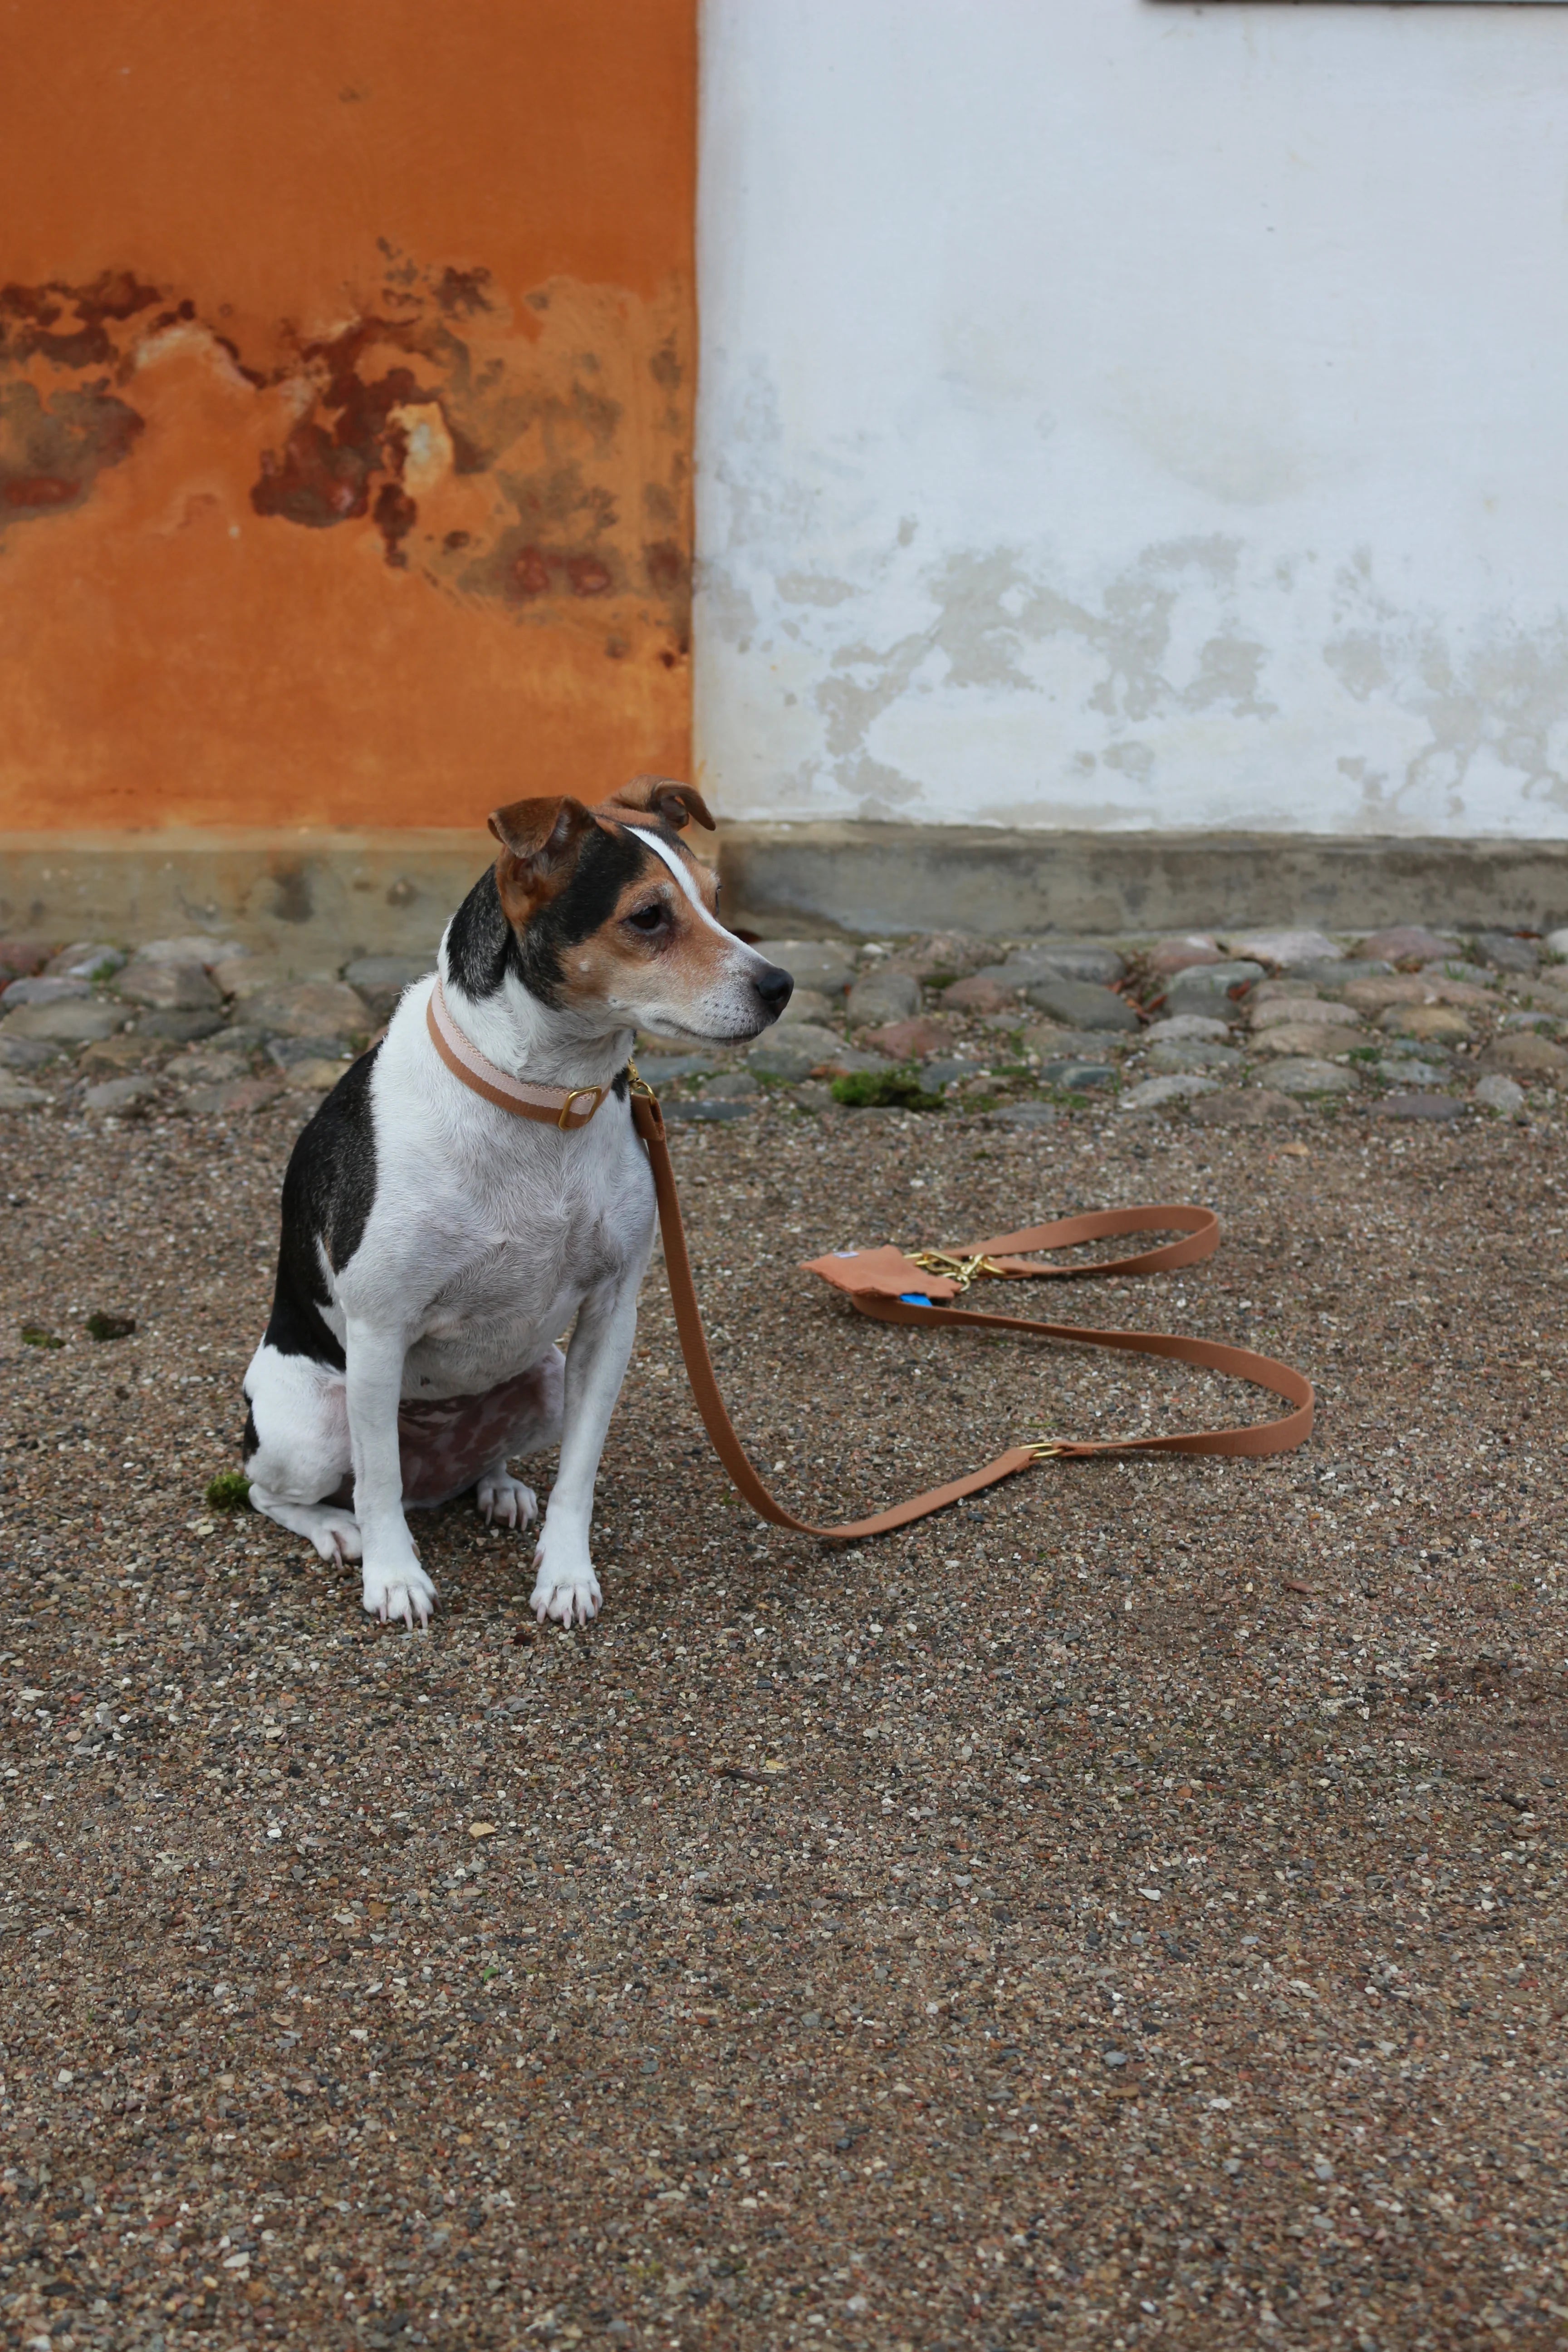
{"x":346,"y":353}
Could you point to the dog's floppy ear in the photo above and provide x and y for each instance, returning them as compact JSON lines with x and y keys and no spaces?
{"x":541,"y":842}
{"x":661,"y":796}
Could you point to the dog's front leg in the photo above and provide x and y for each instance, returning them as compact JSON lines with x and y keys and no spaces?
{"x":394,"y":1583}
{"x":566,"y":1586}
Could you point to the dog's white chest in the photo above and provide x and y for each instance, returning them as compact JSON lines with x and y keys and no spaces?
{"x":497,"y":1289}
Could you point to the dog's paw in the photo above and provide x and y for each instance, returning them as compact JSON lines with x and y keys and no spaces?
{"x":333,"y":1534}
{"x":569,"y":1594}
{"x":400,"y":1591}
{"x":505,"y":1501}
{"x":336,"y":1535}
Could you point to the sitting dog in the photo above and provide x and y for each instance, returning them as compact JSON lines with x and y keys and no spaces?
{"x":435,"y":1242}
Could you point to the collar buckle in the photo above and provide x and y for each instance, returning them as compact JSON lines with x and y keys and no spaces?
{"x":595,"y":1095}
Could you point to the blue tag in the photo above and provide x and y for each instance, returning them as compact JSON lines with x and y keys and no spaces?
{"x":913,"y":1298}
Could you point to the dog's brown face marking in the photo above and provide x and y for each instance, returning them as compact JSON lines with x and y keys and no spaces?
{"x":658,"y":936}
{"x":606,"y":907}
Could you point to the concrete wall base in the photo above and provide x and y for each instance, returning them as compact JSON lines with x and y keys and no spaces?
{"x":316,"y":899}
{"x":871,"y":879}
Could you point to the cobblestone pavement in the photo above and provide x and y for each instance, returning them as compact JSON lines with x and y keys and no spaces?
{"x":1127,"y":1911}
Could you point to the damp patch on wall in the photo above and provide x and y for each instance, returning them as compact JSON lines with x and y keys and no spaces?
{"x":60,"y":422}
{"x":530,"y":457}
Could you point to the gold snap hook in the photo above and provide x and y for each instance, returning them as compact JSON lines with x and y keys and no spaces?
{"x":961,"y":1271}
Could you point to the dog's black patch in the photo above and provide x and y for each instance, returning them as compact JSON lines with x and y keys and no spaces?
{"x":482,"y":947}
{"x":607,"y":863}
{"x":250,"y":1444}
{"x":327,"y":1197}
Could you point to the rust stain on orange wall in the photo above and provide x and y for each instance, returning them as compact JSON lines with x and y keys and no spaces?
{"x":345,"y":407}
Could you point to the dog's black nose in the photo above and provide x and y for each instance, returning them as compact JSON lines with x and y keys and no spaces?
{"x":776,"y":988}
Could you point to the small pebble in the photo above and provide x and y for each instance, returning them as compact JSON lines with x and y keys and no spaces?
{"x":1211,"y":988}
{"x":1427,"y":1107}
{"x":1081,"y":1004}
{"x":116,"y":1096}
{"x":1158,"y":1094}
{"x":1501,"y":1094}
{"x":51,"y":988}
{"x":1503,"y":952}
{"x":810,"y":1004}
{"x":1284,"y":949}
{"x":1192,"y":1053}
{"x":1311,"y":1076}
{"x":1198,"y":1026}
{"x":883,"y":996}
{"x":1408,"y":943}
{"x":1168,"y":957}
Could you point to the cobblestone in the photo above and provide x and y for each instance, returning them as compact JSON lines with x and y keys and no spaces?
{"x":1443,"y":1022}
{"x":1311,"y":1075}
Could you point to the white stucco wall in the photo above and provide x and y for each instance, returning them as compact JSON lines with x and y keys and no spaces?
{"x":1127,"y":412}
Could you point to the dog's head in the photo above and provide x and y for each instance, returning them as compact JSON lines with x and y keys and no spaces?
{"x":604,"y":911}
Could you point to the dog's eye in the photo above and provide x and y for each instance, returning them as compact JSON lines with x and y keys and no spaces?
{"x":648,"y":919}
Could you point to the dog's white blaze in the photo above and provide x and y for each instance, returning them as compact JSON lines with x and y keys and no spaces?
{"x":687,"y":880}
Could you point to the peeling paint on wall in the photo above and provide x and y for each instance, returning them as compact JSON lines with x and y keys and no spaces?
{"x":346,"y":410}
{"x":1196,"y":689}
{"x":60,"y":425}
{"x":538,"y":461}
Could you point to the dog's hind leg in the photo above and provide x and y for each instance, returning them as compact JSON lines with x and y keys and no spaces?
{"x":459,"y":1442}
{"x":334,"y":1533}
{"x":297,"y":1452}
{"x":504,"y":1500}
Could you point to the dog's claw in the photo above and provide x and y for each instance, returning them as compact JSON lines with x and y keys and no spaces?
{"x":504,"y":1501}
{"x":573,"y":1599}
{"x":401,"y":1597}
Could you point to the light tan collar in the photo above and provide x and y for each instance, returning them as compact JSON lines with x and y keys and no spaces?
{"x":568,"y":1107}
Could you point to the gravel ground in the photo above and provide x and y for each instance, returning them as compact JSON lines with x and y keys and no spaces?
{"x":1126,"y":1911}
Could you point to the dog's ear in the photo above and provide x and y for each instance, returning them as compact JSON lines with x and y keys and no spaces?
{"x":541,"y":843}
{"x":661,"y":796}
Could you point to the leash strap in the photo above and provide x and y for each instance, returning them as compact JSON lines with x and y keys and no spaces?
{"x":893,"y":1289}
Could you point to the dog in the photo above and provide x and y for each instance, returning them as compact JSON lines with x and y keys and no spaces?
{"x":434,"y":1244}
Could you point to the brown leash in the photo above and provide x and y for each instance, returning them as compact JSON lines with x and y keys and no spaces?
{"x":893,"y":1289}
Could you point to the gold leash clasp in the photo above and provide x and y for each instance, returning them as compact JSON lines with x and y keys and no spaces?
{"x":639,"y":1085}
{"x":959,"y":1270}
{"x":1046,"y":1449}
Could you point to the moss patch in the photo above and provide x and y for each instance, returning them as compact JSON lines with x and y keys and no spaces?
{"x":898,"y":1089}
